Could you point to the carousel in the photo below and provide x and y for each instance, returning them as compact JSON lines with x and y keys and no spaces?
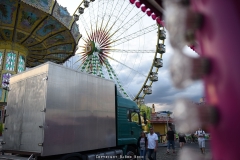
{"x":33,"y":32}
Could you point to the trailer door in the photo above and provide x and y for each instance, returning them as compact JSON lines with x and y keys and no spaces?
{"x":24,"y":123}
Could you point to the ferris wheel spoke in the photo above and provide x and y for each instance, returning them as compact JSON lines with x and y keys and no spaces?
{"x":100,"y":18}
{"x":130,"y":51}
{"x":111,"y":13}
{"x":105,"y":20}
{"x":106,"y":13}
{"x":137,"y":66}
{"x":100,"y":13}
{"x":78,"y":61}
{"x":130,"y":81}
{"x":120,"y":17}
{"x":104,"y":37}
{"x":86,"y":28}
{"x":126,"y":26}
{"x":125,"y":65}
{"x":92,"y":16}
{"x":135,"y":35}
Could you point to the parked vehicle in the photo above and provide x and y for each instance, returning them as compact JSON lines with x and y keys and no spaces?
{"x":57,"y":113}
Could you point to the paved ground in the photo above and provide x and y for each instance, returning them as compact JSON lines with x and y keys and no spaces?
{"x":193,"y":151}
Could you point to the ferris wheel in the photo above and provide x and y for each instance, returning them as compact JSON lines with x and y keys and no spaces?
{"x":120,"y":42}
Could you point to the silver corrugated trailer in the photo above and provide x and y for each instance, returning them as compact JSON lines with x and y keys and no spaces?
{"x":55,"y":110}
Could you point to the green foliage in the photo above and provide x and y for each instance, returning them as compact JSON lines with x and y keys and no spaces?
{"x":149,"y":125}
{"x":145,"y":109}
{"x":134,"y":117}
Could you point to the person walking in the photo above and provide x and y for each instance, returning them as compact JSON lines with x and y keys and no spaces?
{"x":182,"y":139}
{"x":142,"y":145}
{"x":201,"y":139}
{"x":152,"y":144}
{"x":171,"y":137}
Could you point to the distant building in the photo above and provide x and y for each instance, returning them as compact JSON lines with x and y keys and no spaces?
{"x":160,"y":122}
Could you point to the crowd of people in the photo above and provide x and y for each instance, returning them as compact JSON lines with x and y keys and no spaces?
{"x":148,"y":144}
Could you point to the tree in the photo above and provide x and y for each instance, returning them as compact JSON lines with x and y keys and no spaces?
{"x":145,"y":109}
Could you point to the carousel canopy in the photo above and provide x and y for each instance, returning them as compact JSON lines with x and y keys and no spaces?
{"x":43,"y":27}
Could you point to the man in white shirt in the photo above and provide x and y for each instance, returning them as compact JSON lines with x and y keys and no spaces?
{"x":152,"y":144}
{"x":201,"y":139}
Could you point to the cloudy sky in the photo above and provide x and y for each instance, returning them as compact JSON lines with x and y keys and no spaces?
{"x":135,"y":66}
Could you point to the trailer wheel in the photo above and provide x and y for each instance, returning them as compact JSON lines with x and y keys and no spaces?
{"x":131,"y":152}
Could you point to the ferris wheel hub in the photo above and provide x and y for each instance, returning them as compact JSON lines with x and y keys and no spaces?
{"x":90,"y":48}
{"x":98,"y":44}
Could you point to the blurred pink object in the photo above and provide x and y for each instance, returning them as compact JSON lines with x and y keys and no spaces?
{"x":138,"y":4}
{"x":144,"y":8}
{"x":154,"y":16}
{"x":132,"y":1}
{"x":159,"y":21}
{"x":219,"y":40}
{"x":192,"y":47}
{"x":149,"y":12}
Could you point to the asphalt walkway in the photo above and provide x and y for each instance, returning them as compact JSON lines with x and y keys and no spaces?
{"x":189,"y":150}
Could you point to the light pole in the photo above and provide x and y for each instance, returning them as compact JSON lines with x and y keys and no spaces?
{"x":168,"y":117}
{"x":167,"y":122}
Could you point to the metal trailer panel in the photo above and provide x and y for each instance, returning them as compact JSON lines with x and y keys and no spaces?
{"x":79,"y":115}
{"x":25,"y":100}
